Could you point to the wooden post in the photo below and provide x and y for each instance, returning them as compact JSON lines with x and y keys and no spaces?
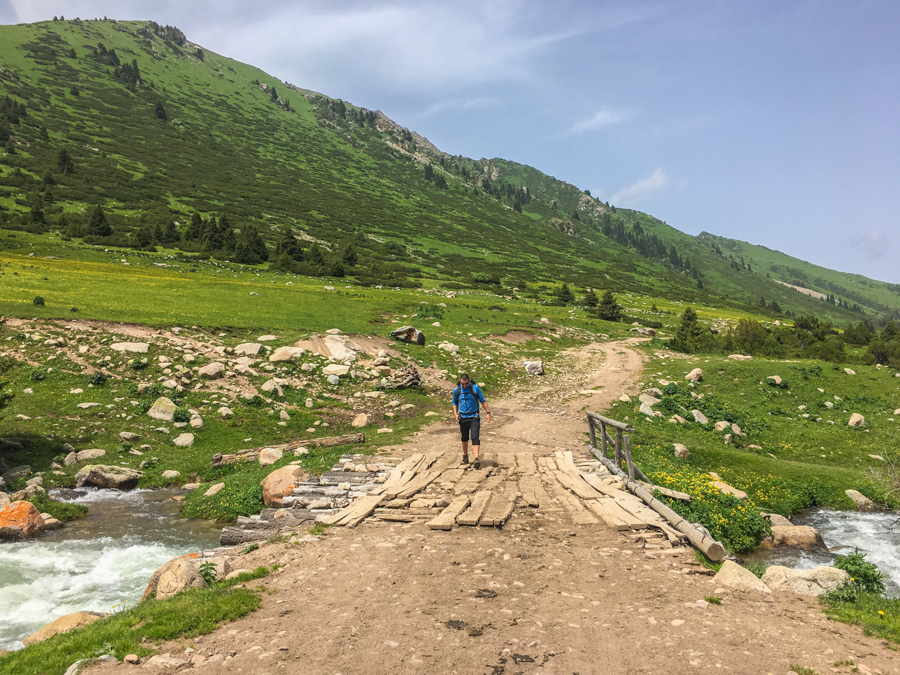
{"x":603,"y":436}
{"x":628,"y":458}
{"x":619,"y":448}
{"x":593,"y":432}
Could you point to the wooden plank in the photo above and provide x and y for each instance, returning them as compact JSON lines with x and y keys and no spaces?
{"x":397,"y":474}
{"x":674,"y":494}
{"x":401,"y":517}
{"x":580,"y":515}
{"x":472,"y":515}
{"x":607,"y":515}
{"x":361,"y":508}
{"x":596,"y":482}
{"x":528,"y":488}
{"x":470,"y":482}
{"x":499,"y":510}
{"x":448,"y":516}
{"x":419,"y":483}
{"x":408,"y":476}
{"x":449,"y":478}
{"x":633,"y":522}
{"x":409,"y":512}
{"x":567,"y":468}
{"x":525,"y":463}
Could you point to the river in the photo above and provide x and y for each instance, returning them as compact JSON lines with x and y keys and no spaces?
{"x":873,"y":533}
{"x":96,"y":563}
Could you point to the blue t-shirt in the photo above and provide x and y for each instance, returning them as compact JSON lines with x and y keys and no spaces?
{"x":467,"y":399}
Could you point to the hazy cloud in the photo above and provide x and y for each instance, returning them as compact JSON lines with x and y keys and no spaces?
{"x":631,"y":196}
{"x":602,"y":118}
{"x":871,"y":246}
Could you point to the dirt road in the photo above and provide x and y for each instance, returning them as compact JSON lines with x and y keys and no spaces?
{"x":541,"y":595}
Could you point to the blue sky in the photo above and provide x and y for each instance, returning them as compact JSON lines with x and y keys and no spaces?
{"x":772,"y":122}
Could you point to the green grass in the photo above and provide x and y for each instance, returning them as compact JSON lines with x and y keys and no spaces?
{"x":192,"y":613}
{"x":877,"y":615}
{"x":713,"y":599}
{"x":62,"y":511}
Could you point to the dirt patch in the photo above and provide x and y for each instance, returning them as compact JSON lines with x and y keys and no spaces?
{"x":516,"y":337}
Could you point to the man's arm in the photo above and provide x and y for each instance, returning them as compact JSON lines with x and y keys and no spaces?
{"x":456,"y":412}
{"x":484,"y":404}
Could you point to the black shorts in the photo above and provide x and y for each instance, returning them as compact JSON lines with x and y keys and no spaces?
{"x":473,"y":425}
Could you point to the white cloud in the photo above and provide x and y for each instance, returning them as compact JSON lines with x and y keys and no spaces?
{"x":632,"y":195}
{"x":602,"y":118}
{"x":871,"y":246}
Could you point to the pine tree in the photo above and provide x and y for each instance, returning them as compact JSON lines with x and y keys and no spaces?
{"x":590,"y":298}
{"x":98,"y":225}
{"x":195,"y":230}
{"x":349,"y":255}
{"x":564,"y":294}
{"x":160,"y":111}
{"x":609,"y":309}
{"x":64,"y":162}
{"x":690,"y":336}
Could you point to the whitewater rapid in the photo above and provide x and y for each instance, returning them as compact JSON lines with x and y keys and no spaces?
{"x":96,"y":564}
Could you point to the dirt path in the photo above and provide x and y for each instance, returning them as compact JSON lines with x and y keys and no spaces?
{"x":540,"y":595}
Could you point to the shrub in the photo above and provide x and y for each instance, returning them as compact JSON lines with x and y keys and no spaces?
{"x":38,"y":375}
{"x":73,"y":309}
{"x":864,"y":574}
{"x":98,"y":379}
{"x":181,"y":415}
{"x":138,"y":364}
{"x":38,"y":301}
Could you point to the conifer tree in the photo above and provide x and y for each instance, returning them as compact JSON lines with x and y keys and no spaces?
{"x":609,"y":309}
{"x":98,"y":225}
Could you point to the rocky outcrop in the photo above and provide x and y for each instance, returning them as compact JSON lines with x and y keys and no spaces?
{"x":281,"y":483}
{"x":409,"y":334}
{"x":20,"y":520}
{"x":734,"y":576}
{"x":212,"y":371}
{"x":106,"y":476}
{"x":133,"y":347}
{"x":696,"y":375}
{"x":801,"y":536}
{"x":812,"y":582}
{"x":62,"y":625}
{"x":162,"y":409}
{"x":862,"y":502}
{"x":174,"y":577}
{"x":285,"y":354}
{"x":534,"y":367}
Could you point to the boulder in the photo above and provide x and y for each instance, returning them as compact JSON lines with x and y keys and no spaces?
{"x":776,"y":519}
{"x":171,"y":473}
{"x":70,"y":459}
{"x":409,"y":334}
{"x":333,"y":380}
{"x":286,"y":354}
{"x":341,"y":347}
{"x":91,"y":453}
{"x":20,"y":520}
{"x":269,"y":456}
{"x":174,"y":577}
{"x":681,"y":451}
{"x":696,"y":375}
{"x":699,"y":417}
{"x":774,"y":379}
{"x":184,"y":440}
{"x":336,"y":369}
{"x":212,"y":371}
{"x":740,"y":578}
{"x":162,"y":409}
{"x":129,"y":436}
{"x":225,"y":411}
{"x":272,"y":386}
{"x":849,"y":371}
{"x":729,"y":490}
{"x":646,"y":410}
{"x":280,"y":483}
{"x":27,"y":493}
{"x":449,"y":347}
{"x":856,"y":420}
{"x":135,"y":347}
{"x":722,"y":425}
{"x":862,"y":502}
{"x":106,"y":476}
{"x":62,"y":625}
{"x":360,"y":421}
{"x":16,"y":473}
{"x":214,"y":490}
{"x":812,"y":582}
{"x":740,"y":357}
{"x":534,"y":367}
{"x":801,"y":536}
{"x":248,"y":348}
{"x":648,"y":399}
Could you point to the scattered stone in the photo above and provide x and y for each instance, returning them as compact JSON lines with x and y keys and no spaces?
{"x":410,"y":334}
{"x":196,"y":422}
{"x":625,"y":398}
{"x":171,"y":473}
{"x":214,"y":490}
{"x":699,"y":417}
{"x":70,"y":459}
{"x":722,"y":425}
{"x":734,"y":576}
{"x":107,"y":476}
{"x":774,"y":379}
{"x":286,"y":354}
{"x":248,"y":348}
{"x":336,"y":369}
{"x":777,"y":519}
{"x":681,"y":451}
{"x":76,"y":391}
{"x":740,"y":357}
{"x":696,"y":375}
{"x":135,"y":347}
{"x":91,"y":453}
{"x":225,"y":411}
{"x":51,"y":523}
{"x":531,"y":367}
{"x":862,"y":502}
{"x":812,"y":582}
{"x":132,"y":659}
{"x":736,"y":430}
{"x":385,"y":430}
{"x":449,"y":347}
{"x":334,"y":331}
{"x":62,"y":625}
{"x":212,"y":371}
{"x":333,"y":380}
{"x":801,"y":536}
{"x":267,"y":338}
{"x":269,"y":456}
{"x":162,"y":409}
{"x":856,"y":420}
{"x":172,"y":578}
{"x":646,"y":409}
{"x":729,"y":490}
{"x":309,"y":402}
{"x":849,"y":371}
{"x":20,"y":520}
{"x":129,"y":436}
{"x":87,"y":406}
{"x":360,"y":421}
{"x":184,"y":440}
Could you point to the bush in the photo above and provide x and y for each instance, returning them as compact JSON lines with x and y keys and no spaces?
{"x":38,"y":301}
{"x":38,"y":375}
{"x":98,"y":379}
{"x":863,"y":574}
{"x":138,"y":364}
{"x":181,"y":415}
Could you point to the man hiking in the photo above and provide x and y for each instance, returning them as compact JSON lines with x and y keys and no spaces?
{"x":466,"y":397}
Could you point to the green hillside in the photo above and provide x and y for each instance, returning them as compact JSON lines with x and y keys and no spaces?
{"x":126,"y":134}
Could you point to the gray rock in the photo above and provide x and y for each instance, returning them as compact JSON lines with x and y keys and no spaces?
{"x":91,"y":453}
{"x":734,"y":576}
{"x":106,"y":476}
{"x":862,"y":502}
{"x":534,"y":367}
{"x":197,"y":422}
{"x":212,"y":371}
{"x":225,"y":411}
{"x":681,"y":451}
{"x":856,"y":420}
{"x":87,"y":406}
{"x":646,"y":409}
{"x":171,"y":473}
{"x":248,"y":348}
{"x":285,"y":354}
{"x":162,"y":409}
{"x":134,"y":347}
{"x":409,"y":334}
{"x":696,"y":375}
{"x":334,"y":379}
{"x":699,"y":417}
{"x":812,"y":582}
{"x":129,"y":436}
{"x":214,"y":490}
{"x":184,"y":440}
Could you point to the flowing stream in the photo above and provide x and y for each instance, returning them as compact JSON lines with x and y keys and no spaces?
{"x":872,"y":533}
{"x":96,"y":563}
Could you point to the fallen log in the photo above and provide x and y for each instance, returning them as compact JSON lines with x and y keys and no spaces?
{"x":332,"y":441}
{"x":674,"y":494}
{"x":707,"y":545}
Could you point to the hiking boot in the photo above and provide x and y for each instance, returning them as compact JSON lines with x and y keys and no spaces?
{"x":465,"y":459}
{"x":477,"y":464}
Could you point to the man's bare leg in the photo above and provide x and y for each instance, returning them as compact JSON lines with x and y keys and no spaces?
{"x":465,"y":446}
{"x":476,"y":448}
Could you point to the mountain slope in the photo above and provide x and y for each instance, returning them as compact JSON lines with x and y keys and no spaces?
{"x":157,"y":128}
